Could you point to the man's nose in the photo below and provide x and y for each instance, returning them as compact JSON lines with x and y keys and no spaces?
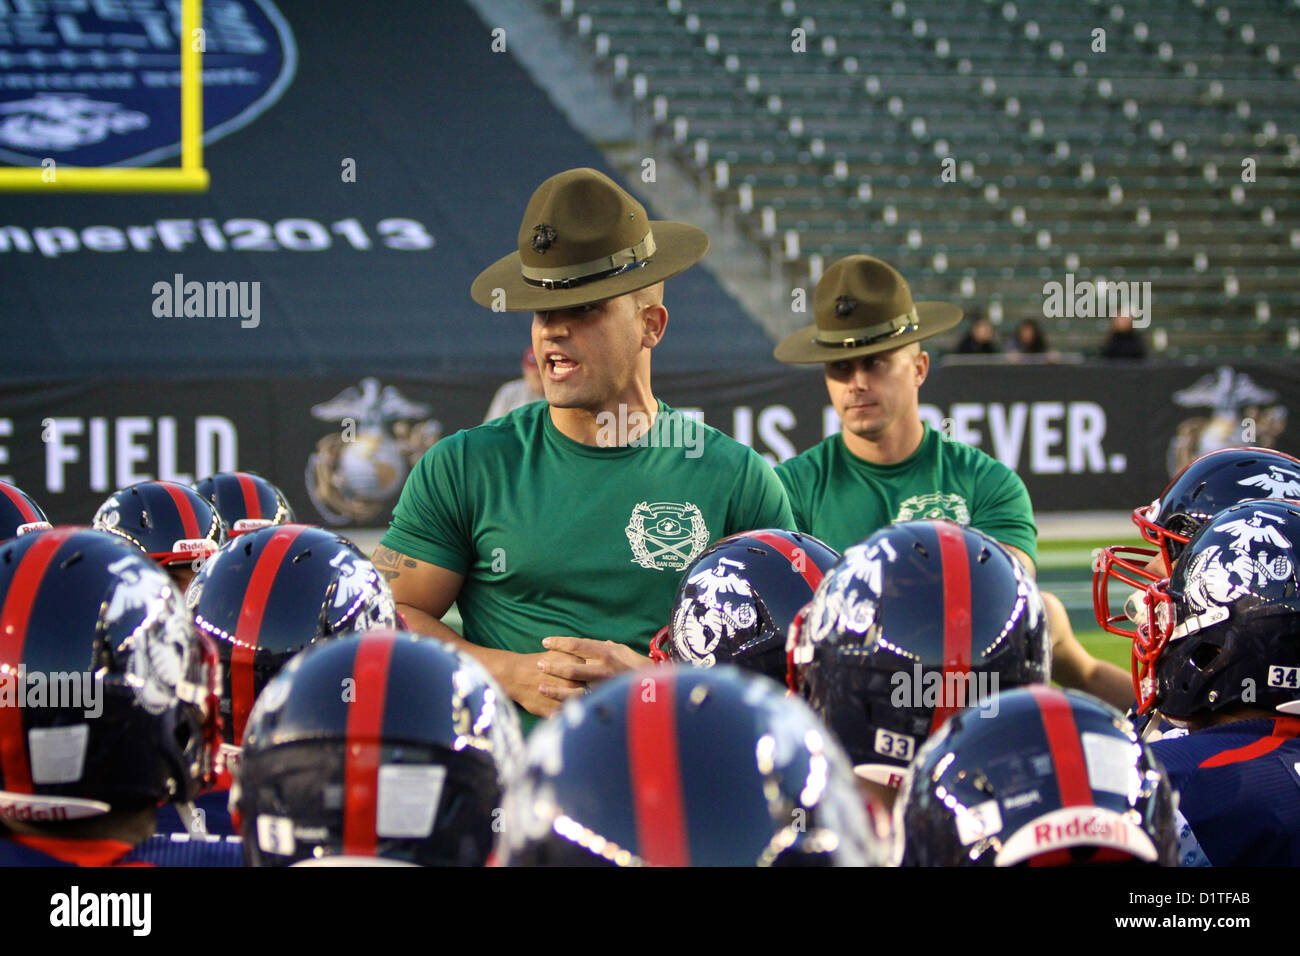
{"x":553,"y":322}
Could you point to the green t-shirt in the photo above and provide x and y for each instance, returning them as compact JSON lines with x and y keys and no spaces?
{"x":557,"y":537}
{"x":842,"y":499}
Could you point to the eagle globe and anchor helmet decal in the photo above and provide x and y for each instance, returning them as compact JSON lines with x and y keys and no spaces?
{"x":384,"y":745}
{"x":737,"y":599}
{"x":268,"y":594}
{"x":1055,"y":778}
{"x":1208,"y":485}
{"x":81,"y":603}
{"x":686,"y":766}
{"x":921,"y":619}
{"x":1224,"y":629}
{"x":245,"y":500}
{"x":170,"y":522}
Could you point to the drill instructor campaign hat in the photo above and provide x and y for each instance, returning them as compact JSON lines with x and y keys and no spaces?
{"x":862,"y":306}
{"x":583,"y":239}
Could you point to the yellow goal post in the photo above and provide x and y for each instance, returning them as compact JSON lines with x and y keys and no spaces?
{"x":190,"y":176}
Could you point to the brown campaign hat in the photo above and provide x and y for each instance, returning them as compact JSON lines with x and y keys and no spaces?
{"x":862,"y":305}
{"x":584,"y":238}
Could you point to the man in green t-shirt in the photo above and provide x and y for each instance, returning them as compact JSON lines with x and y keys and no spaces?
{"x":886,"y":465}
{"x":561,"y":529}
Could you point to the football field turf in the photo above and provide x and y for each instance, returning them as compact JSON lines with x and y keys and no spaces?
{"x":1065,"y":569}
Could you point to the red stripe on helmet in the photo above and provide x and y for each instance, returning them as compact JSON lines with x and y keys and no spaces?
{"x":20,"y":502}
{"x":362,"y":748}
{"x":186,"y":508}
{"x":252,"y":504}
{"x":795,"y":555}
{"x":248,"y":627}
{"x":957,"y":654}
{"x":1063,"y":742}
{"x":656,"y":774}
{"x":14,"y":618}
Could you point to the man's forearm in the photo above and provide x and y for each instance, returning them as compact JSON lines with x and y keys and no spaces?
{"x":422,"y":622}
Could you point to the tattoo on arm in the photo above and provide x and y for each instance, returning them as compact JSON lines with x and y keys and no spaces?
{"x":388,"y":562}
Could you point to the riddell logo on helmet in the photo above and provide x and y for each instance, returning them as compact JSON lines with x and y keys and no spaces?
{"x":29,"y":814}
{"x":252,"y":524}
{"x":1077,"y":826}
{"x":1112,"y":831}
{"x":194,"y":546}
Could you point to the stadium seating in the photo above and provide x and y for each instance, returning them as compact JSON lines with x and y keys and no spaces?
{"x":988,"y":147}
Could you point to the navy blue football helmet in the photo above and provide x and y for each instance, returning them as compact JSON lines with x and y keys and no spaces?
{"x":19,"y":514}
{"x":246,"y":501}
{"x":921,"y":619}
{"x":269,"y":593}
{"x":386,"y":746}
{"x":1204,"y":488}
{"x":686,"y":766}
{"x":170,"y":522}
{"x":737,"y":599}
{"x":1048,"y":778}
{"x":107,"y":695}
{"x":1225,"y":628}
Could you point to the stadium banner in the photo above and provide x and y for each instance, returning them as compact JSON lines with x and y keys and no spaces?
{"x":1082,"y":437}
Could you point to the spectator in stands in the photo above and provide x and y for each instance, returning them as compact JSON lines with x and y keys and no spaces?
{"x":1029,"y":341}
{"x":979,"y":338}
{"x":1123,"y":342}
{"x":519,"y":391}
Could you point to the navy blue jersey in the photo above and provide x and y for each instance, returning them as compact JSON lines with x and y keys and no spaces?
{"x":173,"y":850}
{"x":211,"y":812}
{"x":180,"y":849}
{"x":1239,"y":791}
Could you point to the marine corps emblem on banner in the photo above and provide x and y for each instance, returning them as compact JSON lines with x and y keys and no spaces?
{"x":356,"y":473}
{"x":666,"y":535}
{"x":99,"y":84}
{"x":1243,"y":413}
{"x":934,"y":507}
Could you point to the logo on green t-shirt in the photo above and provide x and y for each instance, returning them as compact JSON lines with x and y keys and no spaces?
{"x":666,"y":535}
{"x":933,"y":507}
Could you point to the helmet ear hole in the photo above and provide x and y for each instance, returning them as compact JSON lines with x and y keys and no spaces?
{"x":1205,"y":655}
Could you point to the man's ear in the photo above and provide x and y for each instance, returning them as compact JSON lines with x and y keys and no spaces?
{"x":922,"y":366}
{"x":654,"y":322}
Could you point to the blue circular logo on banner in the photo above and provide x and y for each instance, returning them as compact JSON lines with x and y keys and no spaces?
{"x":99,"y":84}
